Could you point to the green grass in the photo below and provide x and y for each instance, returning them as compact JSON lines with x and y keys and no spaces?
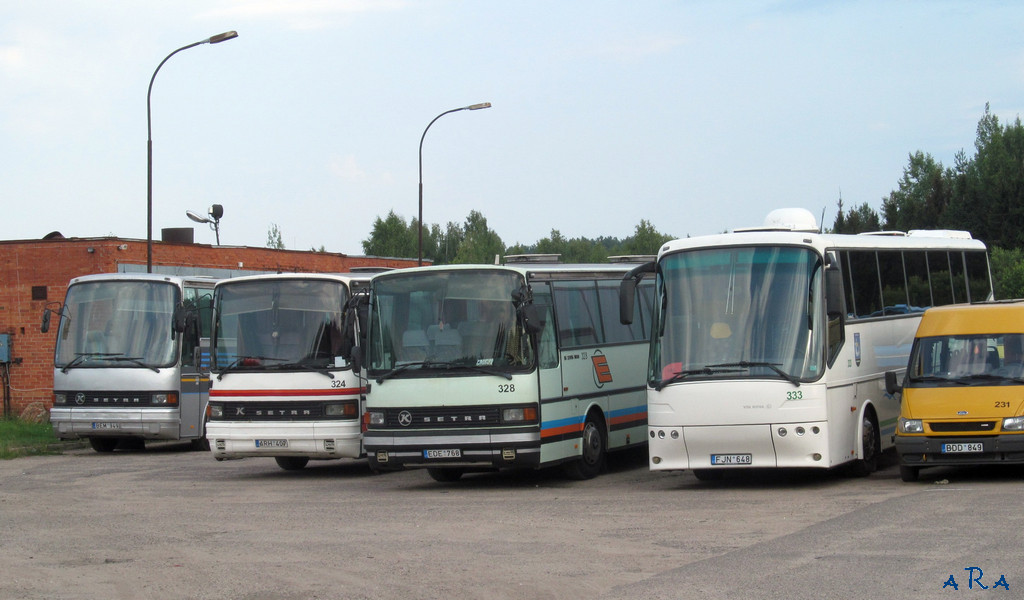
{"x":21,"y":438}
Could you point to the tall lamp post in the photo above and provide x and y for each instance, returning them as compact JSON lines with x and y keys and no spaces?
{"x":419,"y":260}
{"x":227,"y":35}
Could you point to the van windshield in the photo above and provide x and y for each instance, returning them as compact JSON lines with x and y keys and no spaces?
{"x":986,"y":359}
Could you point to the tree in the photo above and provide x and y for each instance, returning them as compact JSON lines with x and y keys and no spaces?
{"x":856,"y":220}
{"x":480,"y":243}
{"x":645,"y":240}
{"x":922,"y":197}
{"x":392,"y":237}
{"x":274,"y":237}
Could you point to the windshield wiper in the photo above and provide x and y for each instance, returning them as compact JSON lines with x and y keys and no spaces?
{"x":81,"y":357}
{"x":773,"y":366}
{"x":134,"y":359}
{"x":448,"y":365}
{"x":985,"y":377}
{"x":937,"y":379}
{"x":233,"y":365}
{"x":708,"y":370}
{"x":302,"y":365}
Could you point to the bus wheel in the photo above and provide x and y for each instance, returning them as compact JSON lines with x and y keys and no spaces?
{"x":909,"y":474}
{"x":445,"y":475}
{"x":592,"y":460}
{"x":103,"y":444}
{"x":200,"y":444}
{"x":871,"y":447}
{"x":292,"y":463}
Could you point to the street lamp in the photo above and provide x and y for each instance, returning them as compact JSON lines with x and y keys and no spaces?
{"x":222,"y":37}
{"x":216,"y":212}
{"x":419,"y":261}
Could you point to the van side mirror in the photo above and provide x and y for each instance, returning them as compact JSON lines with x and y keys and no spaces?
{"x":892,"y":385}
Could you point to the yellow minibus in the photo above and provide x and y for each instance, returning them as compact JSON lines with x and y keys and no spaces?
{"x":963,"y":392}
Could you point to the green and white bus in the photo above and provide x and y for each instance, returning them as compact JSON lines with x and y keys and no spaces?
{"x":520,"y":366}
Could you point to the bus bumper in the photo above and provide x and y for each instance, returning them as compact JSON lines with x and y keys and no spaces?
{"x":150,"y":424}
{"x":313,"y":440}
{"x":738,"y":446}
{"x":915,"y":451}
{"x":484,"y":449}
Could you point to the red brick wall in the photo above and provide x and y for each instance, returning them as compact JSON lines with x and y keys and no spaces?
{"x":52,"y":263}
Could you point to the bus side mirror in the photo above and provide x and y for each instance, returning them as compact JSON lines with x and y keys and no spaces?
{"x":356,"y":359}
{"x":179,"y":320}
{"x":891,"y":384}
{"x":627,"y":290}
{"x":45,"y":327}
{"x":534,"y":317}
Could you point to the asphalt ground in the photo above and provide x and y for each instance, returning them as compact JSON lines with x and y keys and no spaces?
{"x":166,"y":522}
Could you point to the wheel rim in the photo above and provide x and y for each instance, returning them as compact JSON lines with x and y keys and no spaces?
{"x":591,"y":443}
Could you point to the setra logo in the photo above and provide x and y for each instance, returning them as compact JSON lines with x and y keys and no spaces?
{"x":602,"y":372}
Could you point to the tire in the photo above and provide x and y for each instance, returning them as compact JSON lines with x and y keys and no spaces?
{"x":594,"y":450}
{"x":292,"y":463}
{"x":200,"y":444}
{"x":708,"y":474}
{"x":871,"y":448}
{"x":103,"y":444}
{"x":909,"y":474}
{"x":445,"y":475}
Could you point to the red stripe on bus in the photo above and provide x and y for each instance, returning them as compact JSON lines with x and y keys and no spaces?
{"x":574,"y":428}
{"x":264,"y":393}
{"x":637,"y":418}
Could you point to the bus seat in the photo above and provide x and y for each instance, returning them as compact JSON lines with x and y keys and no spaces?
{"x":448,"y":344}
{"x":414,"y":345}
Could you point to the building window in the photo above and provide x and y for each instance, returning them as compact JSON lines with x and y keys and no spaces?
{"x":39,"y":292}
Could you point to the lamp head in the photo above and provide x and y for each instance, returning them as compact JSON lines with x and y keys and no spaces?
{"x":222,"y":37}
{"x":479,"y":106}
{"x":196,"y":217}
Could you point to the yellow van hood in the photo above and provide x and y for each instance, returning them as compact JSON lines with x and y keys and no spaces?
{"x":964,"y":403}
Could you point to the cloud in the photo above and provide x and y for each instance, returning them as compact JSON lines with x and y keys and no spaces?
{"x":301,"y":14}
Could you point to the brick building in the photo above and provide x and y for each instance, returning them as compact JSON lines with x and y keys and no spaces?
{"x":34,"y":273}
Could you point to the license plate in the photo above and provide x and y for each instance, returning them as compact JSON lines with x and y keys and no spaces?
{"x":447,"y":453}
{"x":731,"y":459}
{"x":97,"y":425}
{"x":271,"y":443}
{"x":963,"y":448}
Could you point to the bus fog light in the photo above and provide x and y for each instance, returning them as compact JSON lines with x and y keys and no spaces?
{"x":800,"y":431}
{"x":656,"y":460}
{"x":675,"y":434}
{"x":652,"y":433}
{"x":782,"y":432}
{"x":816,"y":456}
{"x":1013,"y":424}
{"x":815,"y":430}
{"x":661,"y":434}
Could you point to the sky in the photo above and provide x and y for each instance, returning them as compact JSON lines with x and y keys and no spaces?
{"x":699,"y":117}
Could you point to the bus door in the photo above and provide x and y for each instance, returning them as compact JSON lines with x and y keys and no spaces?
{"x":195,"y":363}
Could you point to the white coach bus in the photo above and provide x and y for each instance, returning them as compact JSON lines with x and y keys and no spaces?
{"x":771,"y":343}
{"x":282,"y":385}
{"x":123,"y":370}
{"x":477,"y":367}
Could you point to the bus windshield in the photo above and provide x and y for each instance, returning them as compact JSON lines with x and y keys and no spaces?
{"x":739,"y":312}
{"x":278,"y":323}
{"x":118,"y":324}
{"x":447,"y":319}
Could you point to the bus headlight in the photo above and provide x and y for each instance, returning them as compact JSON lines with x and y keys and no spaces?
{"x":1013,"y":424}
{"x":519,"y":415}
{"x":376,"y":418}
{"x":216,"y":411}
{"x":911,"y":425}
{"x":60,"y":398}
{"x":343,"y":409}
{"x":165,"y":398}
